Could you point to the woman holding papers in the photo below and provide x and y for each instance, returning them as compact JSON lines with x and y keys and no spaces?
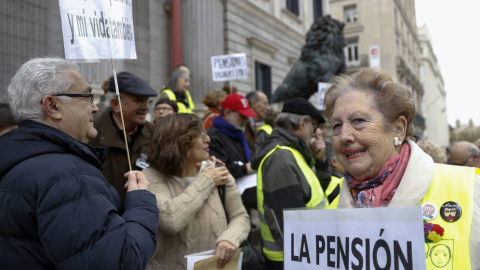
{"x":371,"y":118}
{"x":192,"y":218}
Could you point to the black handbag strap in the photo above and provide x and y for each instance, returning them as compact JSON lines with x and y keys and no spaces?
{"x":221,"y":193}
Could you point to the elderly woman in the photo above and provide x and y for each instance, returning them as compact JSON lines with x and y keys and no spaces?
{"x":177,"y":90}
{"x":371,"y":117}
{"x":192,"y":218}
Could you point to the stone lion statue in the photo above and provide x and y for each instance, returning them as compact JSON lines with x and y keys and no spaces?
{"x":322,"y":58}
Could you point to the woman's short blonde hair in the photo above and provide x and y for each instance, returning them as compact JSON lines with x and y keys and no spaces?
{"x":392,"y":99}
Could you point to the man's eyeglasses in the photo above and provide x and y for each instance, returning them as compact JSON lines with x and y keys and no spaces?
{"x":90,"y":96}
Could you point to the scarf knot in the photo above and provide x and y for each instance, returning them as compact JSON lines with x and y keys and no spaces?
{"x":370,"y":193}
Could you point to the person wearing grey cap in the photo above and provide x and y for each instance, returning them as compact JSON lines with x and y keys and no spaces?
{"x":285,"y":178}
{"x":134,"y":95}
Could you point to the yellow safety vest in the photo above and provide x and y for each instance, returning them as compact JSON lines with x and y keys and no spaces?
{"x":271,"y":249}
{"x":455,"y":184}
{"x":267,"y":128}
{"x":181,"y":106}
{"x":335,"y":183}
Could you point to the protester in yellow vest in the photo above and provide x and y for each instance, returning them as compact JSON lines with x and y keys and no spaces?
{"x":285,"y":178}
{"x":177,"y":90}
{"x":371,"y":118}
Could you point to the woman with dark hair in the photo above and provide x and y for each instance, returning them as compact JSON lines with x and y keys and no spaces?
{"x":372,"y":120}
{"x":192,"y":218}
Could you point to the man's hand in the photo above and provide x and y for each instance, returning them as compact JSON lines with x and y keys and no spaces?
{"x":249,"y":168}
{"x":317,"y":145}
{"x":136,"y":180}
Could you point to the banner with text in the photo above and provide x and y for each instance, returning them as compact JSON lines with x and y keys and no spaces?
{"x":367,"y":238}
{"x":98,"y":29}
{"x":229,"y":67}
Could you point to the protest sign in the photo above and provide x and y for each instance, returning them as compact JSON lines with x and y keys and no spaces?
{"x":322,"y":89}
{"x":367,"y":238}
{"x":229,"y":67}
{"x":98,"y":29}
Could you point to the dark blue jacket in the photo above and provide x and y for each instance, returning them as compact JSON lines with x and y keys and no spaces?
{"x":58,"y":211}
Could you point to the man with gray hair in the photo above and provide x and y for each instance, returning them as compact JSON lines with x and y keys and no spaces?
{"x":258,"y":101}
{"x":465,"y":153}
{"x":57,"y":209}
{"x":285,"y":176}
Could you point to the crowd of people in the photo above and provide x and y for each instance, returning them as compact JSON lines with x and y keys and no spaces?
{"x":87,"y":186}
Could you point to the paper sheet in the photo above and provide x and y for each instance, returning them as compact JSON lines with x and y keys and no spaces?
{"x":246,"y":182}
{"x":206,"y":260}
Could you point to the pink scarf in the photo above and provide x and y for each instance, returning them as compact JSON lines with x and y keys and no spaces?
{"x":382,"y":187}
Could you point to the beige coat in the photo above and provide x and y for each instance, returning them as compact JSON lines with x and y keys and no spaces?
{"x":192,"y":219}
{"x":414,"y":186}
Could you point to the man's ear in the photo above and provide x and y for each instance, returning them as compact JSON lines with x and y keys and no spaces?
{"x":115,"y":105}
{"x":51,"y":107}
{"x":401,"y":127}
{"x":304,"y":121}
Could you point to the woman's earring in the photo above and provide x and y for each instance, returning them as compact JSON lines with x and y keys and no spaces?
{"x":396,"y":141}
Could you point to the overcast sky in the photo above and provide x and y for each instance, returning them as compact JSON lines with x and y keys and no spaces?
{"x":454,"y":27}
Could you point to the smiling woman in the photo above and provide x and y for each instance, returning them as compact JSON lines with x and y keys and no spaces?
{"x":372,"y":116}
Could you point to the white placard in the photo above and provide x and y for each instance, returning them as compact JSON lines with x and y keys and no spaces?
{"x":229,"y":67}
{"x":98,"y":29}
{"x":374,"y":56}
{"x":322,"y":89}
{"x":367,"y":238}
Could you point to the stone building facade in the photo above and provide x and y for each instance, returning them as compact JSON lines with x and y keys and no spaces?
{"x":390,"y":25}
{"x":270,"y":32}
{"x":435,"y":110}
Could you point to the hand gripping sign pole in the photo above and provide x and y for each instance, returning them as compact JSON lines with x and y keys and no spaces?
{"x":99,"y":30}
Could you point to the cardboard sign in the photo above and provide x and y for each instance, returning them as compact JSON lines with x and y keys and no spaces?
{"x":366,"y":238}
{"x":229,"y":67}
{"x":98,"y":29}
{"x":322,"y":89}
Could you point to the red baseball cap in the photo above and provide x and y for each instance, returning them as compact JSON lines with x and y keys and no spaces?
{"x":238,"y":103}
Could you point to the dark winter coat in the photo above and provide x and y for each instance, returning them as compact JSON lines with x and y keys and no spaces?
{"x":58,"y":211}
{"x":228,"y":150}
